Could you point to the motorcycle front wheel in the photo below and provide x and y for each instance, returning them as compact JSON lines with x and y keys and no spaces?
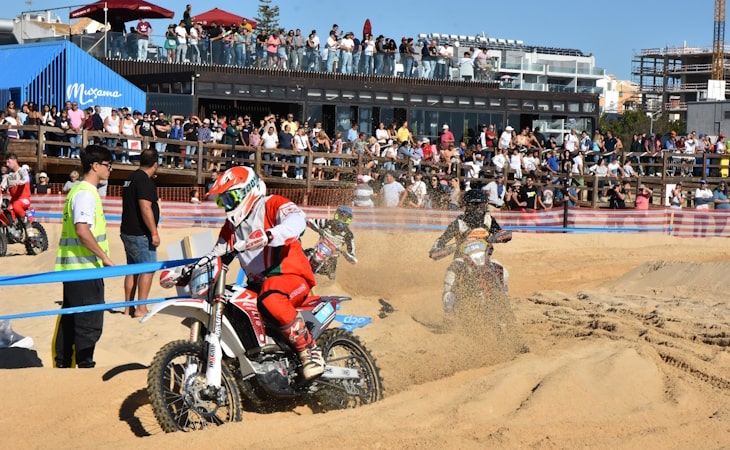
{"x":342,"y":348}
{"x":37,"y":243}
{"x":177,"y":390}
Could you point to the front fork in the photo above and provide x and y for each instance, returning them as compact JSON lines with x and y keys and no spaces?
{"x":213,"y":348}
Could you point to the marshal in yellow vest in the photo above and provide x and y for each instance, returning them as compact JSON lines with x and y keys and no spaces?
{"x":72,"y":254}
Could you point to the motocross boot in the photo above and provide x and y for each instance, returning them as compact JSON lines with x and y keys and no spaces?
{"x":9,"y":338}
{"x":310,"y":355}
{"x":29,"y":231}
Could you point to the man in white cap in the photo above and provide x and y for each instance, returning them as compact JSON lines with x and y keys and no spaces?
{"x":447,"y":137}
{"x":505,"y":139}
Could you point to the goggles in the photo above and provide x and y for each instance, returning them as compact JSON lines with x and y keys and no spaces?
{"x":343,"y":218}
{"x":230,"y":200}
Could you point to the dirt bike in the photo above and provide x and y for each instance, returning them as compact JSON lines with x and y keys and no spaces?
{"x":13,"y":231}
{"x":481,"y":283}
{"x":323,"y":256}
{"x":236,"y":358}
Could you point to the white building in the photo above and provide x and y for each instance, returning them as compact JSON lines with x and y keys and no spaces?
{"x":532,"y":68}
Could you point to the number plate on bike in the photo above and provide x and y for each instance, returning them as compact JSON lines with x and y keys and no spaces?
{"x":324,"y":313}
{"x":324,"y":249}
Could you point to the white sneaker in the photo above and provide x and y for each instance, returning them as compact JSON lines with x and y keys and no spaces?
{"x":283,"y":175}
{"x":312,"y":363}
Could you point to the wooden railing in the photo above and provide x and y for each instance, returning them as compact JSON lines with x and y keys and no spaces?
{"x":36,"y":150}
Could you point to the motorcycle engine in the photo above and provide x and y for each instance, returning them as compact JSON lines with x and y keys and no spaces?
{"x":275,"y":374}
{"x":16,"y":231}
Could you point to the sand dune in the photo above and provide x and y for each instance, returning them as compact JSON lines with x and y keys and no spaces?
{"x":627,"y":338}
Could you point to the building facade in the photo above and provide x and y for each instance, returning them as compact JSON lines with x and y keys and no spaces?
{"x":670,"y":77}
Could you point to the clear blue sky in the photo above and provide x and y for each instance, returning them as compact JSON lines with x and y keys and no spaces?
{"x":611,"y":30}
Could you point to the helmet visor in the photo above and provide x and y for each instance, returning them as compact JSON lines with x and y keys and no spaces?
{"x":230,"y":199}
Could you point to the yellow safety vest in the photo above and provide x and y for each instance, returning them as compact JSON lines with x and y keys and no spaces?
{"x":72,"y":254}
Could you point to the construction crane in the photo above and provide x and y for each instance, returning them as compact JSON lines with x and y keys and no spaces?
{"x":718,"y":42}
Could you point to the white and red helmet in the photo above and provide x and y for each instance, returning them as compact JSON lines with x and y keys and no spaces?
{"x":237,"y":191}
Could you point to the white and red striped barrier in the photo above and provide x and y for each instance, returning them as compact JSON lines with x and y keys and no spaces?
{"x":684,"y":222}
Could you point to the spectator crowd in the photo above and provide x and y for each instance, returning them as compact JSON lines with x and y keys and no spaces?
{"x":241,"y":45}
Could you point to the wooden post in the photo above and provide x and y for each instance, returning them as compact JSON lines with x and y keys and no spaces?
{"x":199,"y":169}
{"x":39,"y":151}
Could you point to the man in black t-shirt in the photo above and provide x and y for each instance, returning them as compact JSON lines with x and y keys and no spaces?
{"x":190,"y":133}
{"x":140,"y":216}
{"x":162,"y":131}
{"x":529,"y":194}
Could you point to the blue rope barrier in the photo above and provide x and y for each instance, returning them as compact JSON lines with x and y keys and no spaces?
{"x":91,"y":274}
{"x":85,"y":308}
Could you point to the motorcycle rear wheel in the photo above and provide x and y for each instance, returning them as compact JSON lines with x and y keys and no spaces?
{"x":175,"y":394}
{"x":39,"y":243}
{"x":3,"y":242}
{"x":342,"y":348}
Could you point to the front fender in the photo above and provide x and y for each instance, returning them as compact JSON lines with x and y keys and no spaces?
{"x":199,"y":310}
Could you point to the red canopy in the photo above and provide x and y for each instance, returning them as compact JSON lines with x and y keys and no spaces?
{"x":222,"y":18}
{"x":126,"y":10}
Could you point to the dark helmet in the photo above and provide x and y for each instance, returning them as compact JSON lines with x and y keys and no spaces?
{"x":343,"y":214}
{"x":475,"y":196}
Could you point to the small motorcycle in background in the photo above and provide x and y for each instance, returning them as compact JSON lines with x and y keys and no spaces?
{"x":322,"y":255}
{"x":13,"y":231}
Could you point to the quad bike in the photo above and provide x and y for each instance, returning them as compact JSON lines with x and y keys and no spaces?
{"x":13,"y":231}
{"x":235,"y":357}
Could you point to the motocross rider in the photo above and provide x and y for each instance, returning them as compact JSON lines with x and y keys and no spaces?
{"x":476,"y":215}
{"x":264,"y":232}
{"x":17,"y":184}
{"x":337,"y":230}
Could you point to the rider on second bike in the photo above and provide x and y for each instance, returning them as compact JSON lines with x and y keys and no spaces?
{"x":337,"y":230}
{"x":264,"y":232}
{"x":476,"y":215}
{"x":17,"y":184}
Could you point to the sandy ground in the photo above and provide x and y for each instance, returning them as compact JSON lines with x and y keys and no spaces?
{"x":627,"y":338}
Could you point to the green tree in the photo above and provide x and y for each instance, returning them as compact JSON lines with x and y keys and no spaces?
{"x":637,"y":122}
{"x":268,"y":17}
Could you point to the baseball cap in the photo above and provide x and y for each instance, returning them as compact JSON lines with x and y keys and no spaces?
{"x":403,"y":39}
{"x":445,"y":127}
{"x":509,"y":128}
{"x":364,"y":178}
{"x":703,"y":181}
{"x":42,"y":175}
